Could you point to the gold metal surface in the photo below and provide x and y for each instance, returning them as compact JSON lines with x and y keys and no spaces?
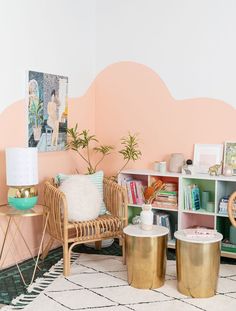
{"x":197,"y":267}
{"x":22,"y":192}
{"x":7,"y":210}
{"x":146,"y":261}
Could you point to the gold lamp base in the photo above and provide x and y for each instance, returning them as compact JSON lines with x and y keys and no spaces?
{"x":22,"y":197}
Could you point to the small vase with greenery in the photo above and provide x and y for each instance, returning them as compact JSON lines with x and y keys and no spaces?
{"x":80,"y":142}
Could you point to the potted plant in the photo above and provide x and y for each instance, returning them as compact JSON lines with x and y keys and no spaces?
{"x":79,"y":141}
{"x":36,"y":117}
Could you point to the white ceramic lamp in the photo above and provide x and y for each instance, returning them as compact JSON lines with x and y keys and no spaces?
{"x":22,"y":176}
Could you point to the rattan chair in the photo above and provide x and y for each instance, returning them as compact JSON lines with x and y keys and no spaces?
{"x":70,"y":234}
{"x":232,"y":209}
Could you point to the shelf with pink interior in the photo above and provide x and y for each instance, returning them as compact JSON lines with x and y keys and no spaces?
{"x":135,"y":183}
{"x":161,"y":191}
{"x":204,"y":204}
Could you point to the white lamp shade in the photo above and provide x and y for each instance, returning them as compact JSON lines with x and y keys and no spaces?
{"x":22,"y":166}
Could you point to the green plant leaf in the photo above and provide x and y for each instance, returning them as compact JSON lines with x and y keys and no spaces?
{"x":104,"y":149}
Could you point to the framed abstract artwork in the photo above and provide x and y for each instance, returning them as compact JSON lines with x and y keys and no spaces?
{"x":206,"y":155}
{"x":230,"y":156}
{"x":47,"y":111}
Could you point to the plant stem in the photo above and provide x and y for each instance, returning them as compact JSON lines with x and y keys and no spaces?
{"x":80,"y":154}
{"x":89,"y":163}
{"x":122,"y":168}
{"x":95,"y":168}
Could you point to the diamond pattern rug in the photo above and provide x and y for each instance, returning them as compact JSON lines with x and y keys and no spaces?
{"x":11,"y":285}
{"x":99,"y":282}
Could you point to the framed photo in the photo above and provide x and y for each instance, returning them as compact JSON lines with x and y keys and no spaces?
{"x":47,"y":111}
{"x":206,"y":155}
{"x":230,"y":156}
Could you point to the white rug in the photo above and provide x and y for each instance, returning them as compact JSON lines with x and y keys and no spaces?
{"x":99,"y":282}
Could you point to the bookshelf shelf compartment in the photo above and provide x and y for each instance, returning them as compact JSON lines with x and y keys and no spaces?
{"x":180,"y":217}
{"x":199,"y":212}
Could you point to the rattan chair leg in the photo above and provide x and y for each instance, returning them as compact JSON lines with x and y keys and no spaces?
{"x":98,"y":245}
{"x":123,"y":252}
{"x":47,"y":248}
{"x":66,"y":260}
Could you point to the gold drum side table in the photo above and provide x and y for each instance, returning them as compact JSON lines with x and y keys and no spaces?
{"x":146,"y":256}
{"x":197,"y":262}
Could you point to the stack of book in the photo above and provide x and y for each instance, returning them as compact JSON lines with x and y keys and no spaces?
{"x":162,"y":219}
{"x":134,"y":191}
{"x":227,"y":246}
{"x":192,"y":197}
{"x":223,"y":205}
{"x":167,"y":197}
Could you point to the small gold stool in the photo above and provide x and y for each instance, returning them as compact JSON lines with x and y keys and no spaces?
{"x":146,"y":256}
{"x":197,"y":261}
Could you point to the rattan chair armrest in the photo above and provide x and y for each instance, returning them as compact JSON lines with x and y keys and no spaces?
{"x":56,"y":206}
{"x":115,"y":199}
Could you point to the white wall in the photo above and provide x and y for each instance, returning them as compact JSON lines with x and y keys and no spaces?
{"x":54,"y":36}
{"x":189,"y":43}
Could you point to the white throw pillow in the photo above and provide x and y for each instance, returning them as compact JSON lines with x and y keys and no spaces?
{"x":83,"y":198}
{"x":96,"y":179}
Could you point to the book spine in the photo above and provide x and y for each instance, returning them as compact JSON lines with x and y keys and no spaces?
{"x":167,"y":218}
{"x":130,"y":199}
{"x":133,"y":192}
{"x":139,"y":191}
{"x":195,"y":197}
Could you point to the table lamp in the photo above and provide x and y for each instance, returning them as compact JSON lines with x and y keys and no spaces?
{"x":22,"y":176}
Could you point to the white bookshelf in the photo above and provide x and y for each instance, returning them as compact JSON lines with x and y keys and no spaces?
{"x":218,"y":186}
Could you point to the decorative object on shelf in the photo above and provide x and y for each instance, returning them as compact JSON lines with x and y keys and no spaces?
{"x":162,"y":167}
{"x":151,"y":191}
{"x":228,"y":170}
{"x":215,"y":169}
{"x":205,"y":199}
{"x":47,"y":111}
{"x":136,"y":220}
{"x":146,"y":217}
{"x":230,"y":156}
{"x":157,"y":166}
{"x":206,"y":155}
{"x":188,"y":168}
{"x":22,"y":176}
{"x":176,"y":162}
{"x":210,"y":207}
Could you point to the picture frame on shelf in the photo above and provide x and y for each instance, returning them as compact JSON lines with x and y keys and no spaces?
{"x":230,"y":156}
{"x":207,"y":155}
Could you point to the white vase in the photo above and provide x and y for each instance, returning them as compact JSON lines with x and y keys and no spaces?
{"x":146,"y":217}
{"x":176,"y":162}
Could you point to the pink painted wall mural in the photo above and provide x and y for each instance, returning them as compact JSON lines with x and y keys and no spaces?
{"x":132,"y":97}
{"x":124,"y":97}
